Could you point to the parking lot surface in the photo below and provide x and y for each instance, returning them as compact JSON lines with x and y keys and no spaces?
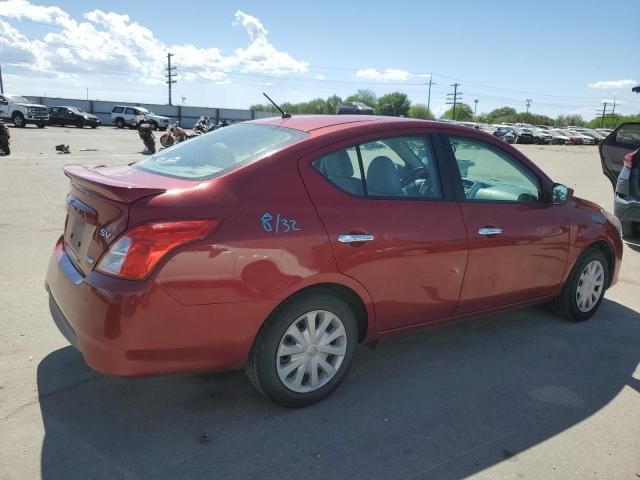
{"x":516,"y":395}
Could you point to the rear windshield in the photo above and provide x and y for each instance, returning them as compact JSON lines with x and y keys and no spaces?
{"x":220,"y":151}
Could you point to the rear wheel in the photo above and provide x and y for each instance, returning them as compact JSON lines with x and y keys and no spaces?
{"x":119,"y":122}
{"x":584,"y":290}
{"x":304,"y":350}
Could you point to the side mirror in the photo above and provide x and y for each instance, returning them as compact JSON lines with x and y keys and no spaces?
{"x":560,"y":194}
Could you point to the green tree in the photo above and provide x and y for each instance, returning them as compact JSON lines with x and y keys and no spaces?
{"x":420,"y":110}
{"x":571,"y":119}
{"x":368,"y":97}
{"x":332,"y":104}
{"x":500,"y":113}
{"x":464,"y":113}
{"x":395,"y":104}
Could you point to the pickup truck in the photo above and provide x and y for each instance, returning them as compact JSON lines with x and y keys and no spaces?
{"x":22,"y":112}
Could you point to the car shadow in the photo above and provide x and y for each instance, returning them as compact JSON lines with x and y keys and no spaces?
{"x":444,"y":403}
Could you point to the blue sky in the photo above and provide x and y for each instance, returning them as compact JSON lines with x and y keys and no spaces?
{"x":556,"y":53}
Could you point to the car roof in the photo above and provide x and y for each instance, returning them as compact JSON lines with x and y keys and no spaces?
{"x":309,"y":123}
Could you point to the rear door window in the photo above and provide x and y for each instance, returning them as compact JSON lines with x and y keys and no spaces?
{"x":129,"y":111}
{"x":396,"y":167}
{"x":117,"y":110}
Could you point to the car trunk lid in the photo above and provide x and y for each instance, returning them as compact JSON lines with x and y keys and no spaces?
{"x":98,"y":207}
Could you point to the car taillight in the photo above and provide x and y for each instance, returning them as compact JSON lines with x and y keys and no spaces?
{"x":134,"y":255}
{"x":629,"y":158}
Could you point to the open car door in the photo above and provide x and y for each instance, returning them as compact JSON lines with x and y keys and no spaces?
{"x":624,"y":139}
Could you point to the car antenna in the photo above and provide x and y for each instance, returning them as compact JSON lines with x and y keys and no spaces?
{"x":284,"y":114}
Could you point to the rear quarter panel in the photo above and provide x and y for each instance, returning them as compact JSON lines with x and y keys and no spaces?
{"x":248,"y":259}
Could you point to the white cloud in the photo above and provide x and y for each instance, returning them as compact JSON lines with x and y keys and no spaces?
{"x":108,"y":43}
{"x":320,"y":77}
{"x":605,"y":84}
{"x":386,"y":75}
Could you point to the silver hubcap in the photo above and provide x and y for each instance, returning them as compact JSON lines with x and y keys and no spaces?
{"x":590,"y":286}
{"x":311,"y":351}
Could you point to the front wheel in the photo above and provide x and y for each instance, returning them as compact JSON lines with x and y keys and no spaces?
{"x":167,"y":140}
{"x":304,"y":349}
{"x":584,"y":290}
{"x":18,"y":120}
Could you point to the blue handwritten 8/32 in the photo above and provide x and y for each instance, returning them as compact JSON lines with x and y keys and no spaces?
{"x":281,"y":224}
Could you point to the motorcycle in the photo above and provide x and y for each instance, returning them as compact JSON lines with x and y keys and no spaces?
{"x":145,"y":130}
{"x":174,"y":134}
{"x":203,"y":125}
{"x":4,"y":138}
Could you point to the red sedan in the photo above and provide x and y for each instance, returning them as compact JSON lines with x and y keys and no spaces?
{"x":278,"y":245}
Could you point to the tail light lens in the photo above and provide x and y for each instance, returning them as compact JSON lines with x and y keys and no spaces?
{"x":135,"y":254}
{"x":629,"y":158}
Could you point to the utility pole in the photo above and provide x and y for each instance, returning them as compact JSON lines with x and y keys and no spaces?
{"x":429,"y":96}
{"x":170,"y":74}
{"x":604,"y":112}
{"x":453,"y":98}
{"x":87,"y":93}
{"x":613,"y":111}
{"x":1,"y":85}
{"x":529,"y":101}
{"x":475,"y":107}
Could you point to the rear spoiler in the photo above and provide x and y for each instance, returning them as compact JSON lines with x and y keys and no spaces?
{"x":91,"y":180}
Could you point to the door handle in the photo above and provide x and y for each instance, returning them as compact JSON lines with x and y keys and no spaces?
{"x":352,"y":238}
{"x":490,"y":231}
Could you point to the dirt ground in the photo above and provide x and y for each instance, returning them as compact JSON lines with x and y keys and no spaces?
{"x":517,"y":395}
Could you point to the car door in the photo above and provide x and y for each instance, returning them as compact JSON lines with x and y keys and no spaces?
{"x":518,"y":240}
{"x":130,"y":115}
{"x":393,"y":224}
{"x":624,"y":139}
{"x":4,"y":107}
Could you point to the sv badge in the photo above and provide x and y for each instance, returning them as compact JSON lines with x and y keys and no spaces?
{"x":104,"y":233}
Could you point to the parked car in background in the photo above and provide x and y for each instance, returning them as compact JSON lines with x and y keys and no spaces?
{"x":597,"y":137}
{"x":508,"y":134}
{"x":604,"y":131}
{"x":327,"y":249}
{"x":523,"y":135}
{"x":586,"y":139}
{"x":22,"y":112}
{"x":540,"y":137}
{"x":557,"y":137}
{"x":123,"y":116}
{"x":65,"y":115}
{"x":620,"y":158}
{"x":354,"y":108}
{"x":573,"y":138}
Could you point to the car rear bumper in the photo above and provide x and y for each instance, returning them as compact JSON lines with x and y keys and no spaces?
{"x":626,"y":209}
{"x":127,"y":328}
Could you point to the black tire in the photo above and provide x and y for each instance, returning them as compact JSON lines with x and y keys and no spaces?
{"x":629,"y":229}
{"x":94,"y":126}
{"x":565,"y":305}
{"x":41,"y":125}
{"x":166,"y":140}
{"x":18,"y":120}
{"x":120,"y":123}
{"x":261,"y":365}
{"x":4,"y":146}
{"x":154,"y":124}
{"x":80,"y":125}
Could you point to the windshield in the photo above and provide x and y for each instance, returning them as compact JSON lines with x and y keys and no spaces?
{"x":220,"y":151}
{"x":17,"y":99}
{"x":77,"y":110}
